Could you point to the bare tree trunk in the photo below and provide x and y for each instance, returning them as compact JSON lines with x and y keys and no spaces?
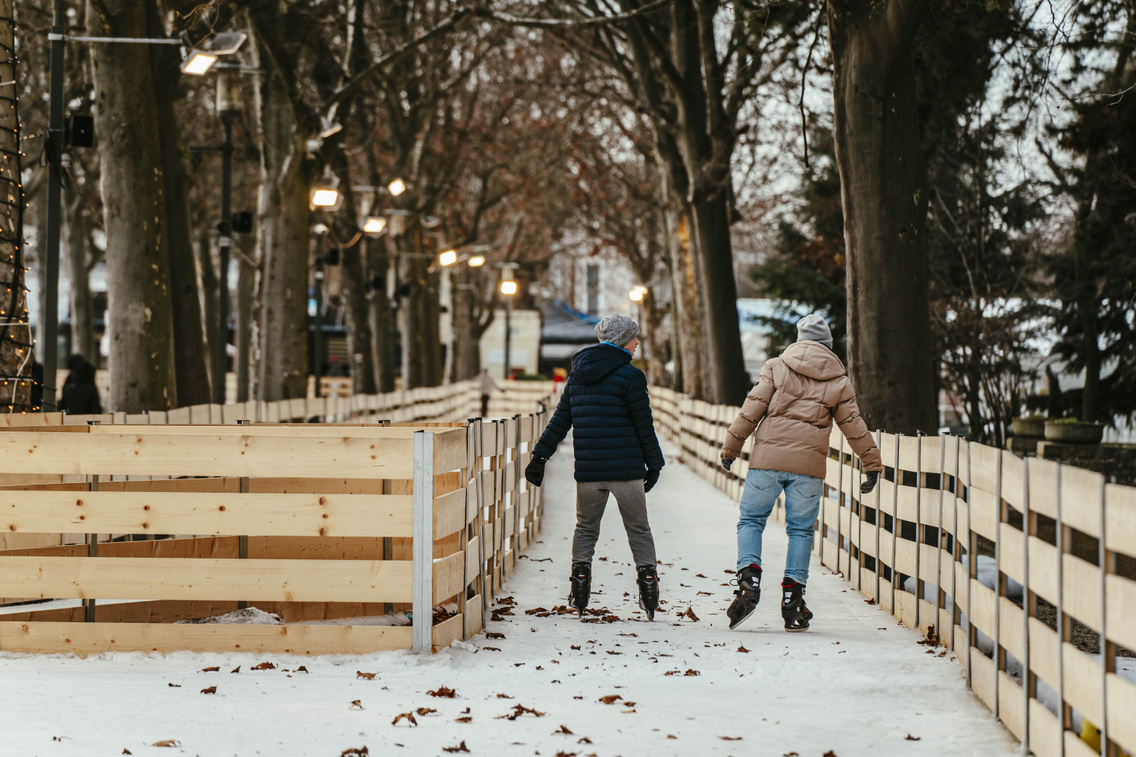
{"x":80,"y":305}
{"x":140,"y":327}
{"x":688,"y":378}
{"x":360,"y":340}
{"x":246,"y":287}
{"x":883,"y":189}
{"x":190,"y":362}
{"x":209,"y":289}
{"x":656,"y":340}
{"x":421,"y":337}
{"x":15,"y":346}
{"x":287,"y":173}
{"x":382,"y":319}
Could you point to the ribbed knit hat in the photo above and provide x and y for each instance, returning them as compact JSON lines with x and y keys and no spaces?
{"x":617,"y":329}
{"x":813,"y":328}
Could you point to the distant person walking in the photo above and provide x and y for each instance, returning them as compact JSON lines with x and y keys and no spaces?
{"x":80,"y":394}
{"x":488,"y":386}
{"x":792,"y":407}
{"x":617,"y":453}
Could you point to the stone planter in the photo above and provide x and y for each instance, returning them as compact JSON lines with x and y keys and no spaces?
{"x":1080,"y":432}
{"x":1034,"y":427}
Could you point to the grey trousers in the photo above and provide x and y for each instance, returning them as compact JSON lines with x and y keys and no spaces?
{"x":591,"y":499}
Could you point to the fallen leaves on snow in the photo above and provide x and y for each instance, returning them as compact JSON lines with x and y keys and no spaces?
{"x":909,"y":737}
{"x":167,"y":742}
{"x":611,"y":698}
{"x":743,"y":650}
{"x":408,"y":716}
{"x":423,"y":711}
{"x":518,"y":710}
{"x":562,"y":729}
{"x":365,"y":676}
{"x":213,"y":669}
{"x":452,"y":749}
{"x":210,"y":690}
{"x":443,"y":691}
{"x":264,"y":666}
{"x":361,"y":752}
{"x":688,"y":614}
{"x":356,"y":704}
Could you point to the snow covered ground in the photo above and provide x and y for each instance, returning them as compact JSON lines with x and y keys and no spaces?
{"x":856,"y":684}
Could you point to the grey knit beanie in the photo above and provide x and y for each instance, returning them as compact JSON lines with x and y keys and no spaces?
{"x":617,"y":329}
{"x":813,"y":328}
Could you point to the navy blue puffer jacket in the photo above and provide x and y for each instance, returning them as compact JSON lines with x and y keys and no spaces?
{"x":605,"y":400}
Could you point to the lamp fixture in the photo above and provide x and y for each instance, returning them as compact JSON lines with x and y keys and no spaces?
{"x":508,"y":287}
{"x":396,"y":187}
{"x":447,"y":258}
{"x":200,"y":60}
{"x":374,"y":225}
{"x":476,"y":261}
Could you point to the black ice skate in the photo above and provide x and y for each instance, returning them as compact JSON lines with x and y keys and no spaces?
{"x":581,"y":586}
{"x":793,"y":609}
{"x":648,"y":589}
{"x":746,"y":596}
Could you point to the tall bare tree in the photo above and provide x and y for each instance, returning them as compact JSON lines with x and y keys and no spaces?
{"x":884,"y":190}
{"x":140,"y":327}
{"x":15,"y":336}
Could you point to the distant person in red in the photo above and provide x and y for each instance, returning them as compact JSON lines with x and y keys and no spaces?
{"x":558,"y":377}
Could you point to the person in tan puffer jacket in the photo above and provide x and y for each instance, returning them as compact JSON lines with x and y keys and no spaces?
{"x":792,"y":407}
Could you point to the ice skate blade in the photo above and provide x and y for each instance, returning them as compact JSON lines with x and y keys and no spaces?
{"x":735,"y":625}
{"x":795,"y":630}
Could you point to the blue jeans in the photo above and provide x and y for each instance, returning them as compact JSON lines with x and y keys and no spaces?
{"x":802,"y":503}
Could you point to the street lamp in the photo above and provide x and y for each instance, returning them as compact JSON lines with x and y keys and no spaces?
{"x":508,"y":288}
{"x":637,"y":294}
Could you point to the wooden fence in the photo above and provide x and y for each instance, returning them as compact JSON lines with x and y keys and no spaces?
{"x":997,"y":557}
{"x":312,"y":522}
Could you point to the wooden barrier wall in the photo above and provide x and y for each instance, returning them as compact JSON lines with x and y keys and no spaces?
{"x":312,"y":522}
{"x":915,"y":545}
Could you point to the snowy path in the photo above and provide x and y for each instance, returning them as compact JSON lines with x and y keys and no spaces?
{"x":857,"y":684}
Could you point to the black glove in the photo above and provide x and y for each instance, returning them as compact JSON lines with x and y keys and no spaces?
{"x":727,"y":462}
{"x":650,"y":479}
{"x":870,"y":479}
{"x":534,"y":472}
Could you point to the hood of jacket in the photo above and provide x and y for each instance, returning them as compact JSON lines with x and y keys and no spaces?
{"x":593,"y":364}
{"x":814,"y":360}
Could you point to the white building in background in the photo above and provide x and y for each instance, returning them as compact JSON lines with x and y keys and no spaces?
{"x":524,"y":343}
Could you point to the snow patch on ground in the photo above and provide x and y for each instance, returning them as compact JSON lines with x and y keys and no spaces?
{"x":858,"y":683}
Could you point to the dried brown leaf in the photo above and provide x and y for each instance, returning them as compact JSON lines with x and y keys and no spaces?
{"x":210,"y":690}
{"x":360,"y":752}
{"x":365,"y":676}
{"x":424,"y":711}
{"x":356,"y":704}
{"x":463,"y":719}
{"x":167,"y":742}
{"x":730,"y":738}
{"x":909,"y":737}
{"x":301,"y":669}
{"x":493,"y":635}
{"x":611,"y":698}
{"x":452,"y":749}
{"x":213,"y":669}
{"x":235,"y":670}
{"x":264,"y":666}
{"x":743,"y":650}
{"x":561,"y":729}
{"x":443,"y":691}
{"x":692,"y":672}
{"x":409,"y":716}
{"x":690,"y":614}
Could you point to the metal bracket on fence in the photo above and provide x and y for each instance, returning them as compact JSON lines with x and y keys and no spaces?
{"x":423,"y":549}
{"x":999,"y":584}
{"x":1063,"y":711}
{"x":895,"y":524}
{"x":92,"y":551}
{"x":1107,"y":650}
{"x":1028,"y":608}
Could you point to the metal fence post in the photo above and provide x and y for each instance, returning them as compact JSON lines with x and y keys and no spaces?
{"x":895,"y":524}
{"x":1108,"y":653}
{"x":243,"y":540}
{"x":92,"y":551}
{"x":1028,"y":608}
{"x":1062,"y":708}
{"x":423,"y":549}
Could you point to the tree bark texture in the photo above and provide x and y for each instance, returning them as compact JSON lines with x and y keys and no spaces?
{"x":140,"y":325}
{"x":287,"y":172}
{"x":884,"y":196}
{"x":360,"y":340}
{"x":15,"y":336}
{"x":209,"y":289}
{"x":80,"y":306}
{"x":382,"y":318}
{"x":246,"y":290}
{"x":421,"y":337}
{"x":191,"y":365}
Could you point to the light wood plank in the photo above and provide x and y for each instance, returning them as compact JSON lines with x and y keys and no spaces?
{"x":1011,"y":708}
{"x":1120,"y":502}
{"x":447,"y":632}
{"x":165,"y":578}
{"x":1043,"y":569}
{"x":1043,"y":652}
{"x":1121,"y":706}
{"x":982,"y":677}
{"x":449,"y":513}
{"x":474,"y":620}
{"x":1045,"y":731}
{"x":1010,"y":628}
{"x":152,"y":453}
{"x":1082,"y":682}
{"x":95,"y":638}
{"x":1043,"y":486}
{"x":448,"y":576}
{"x":215,"y":514}
{"x":1082,"y":591}
{"x":1121,"y":607}
{"x":449,"y":450}
{"x":1081,"y":491}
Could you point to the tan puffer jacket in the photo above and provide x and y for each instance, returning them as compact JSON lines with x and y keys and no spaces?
{"x":792,"y":407}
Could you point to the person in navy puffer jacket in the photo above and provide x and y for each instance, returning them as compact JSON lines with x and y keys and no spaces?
{"x":605,"y":401}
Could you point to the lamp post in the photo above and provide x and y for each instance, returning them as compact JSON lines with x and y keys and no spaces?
{"x":508,"y":288}
{"x":228,"y":94}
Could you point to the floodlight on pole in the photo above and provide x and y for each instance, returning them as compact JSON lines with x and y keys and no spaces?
{"x":637,"y":293}
{"x":448,"y":258}
{"x":374,"y":225}
{"x":396,"y":187}
{"x":198,"y":63}
{"x":328,"y":198}
{"x":476,"y":261}
{"x":508,"y":287}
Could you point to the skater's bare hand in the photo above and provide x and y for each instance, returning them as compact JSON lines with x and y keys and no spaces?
{"x":870,"y":480}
